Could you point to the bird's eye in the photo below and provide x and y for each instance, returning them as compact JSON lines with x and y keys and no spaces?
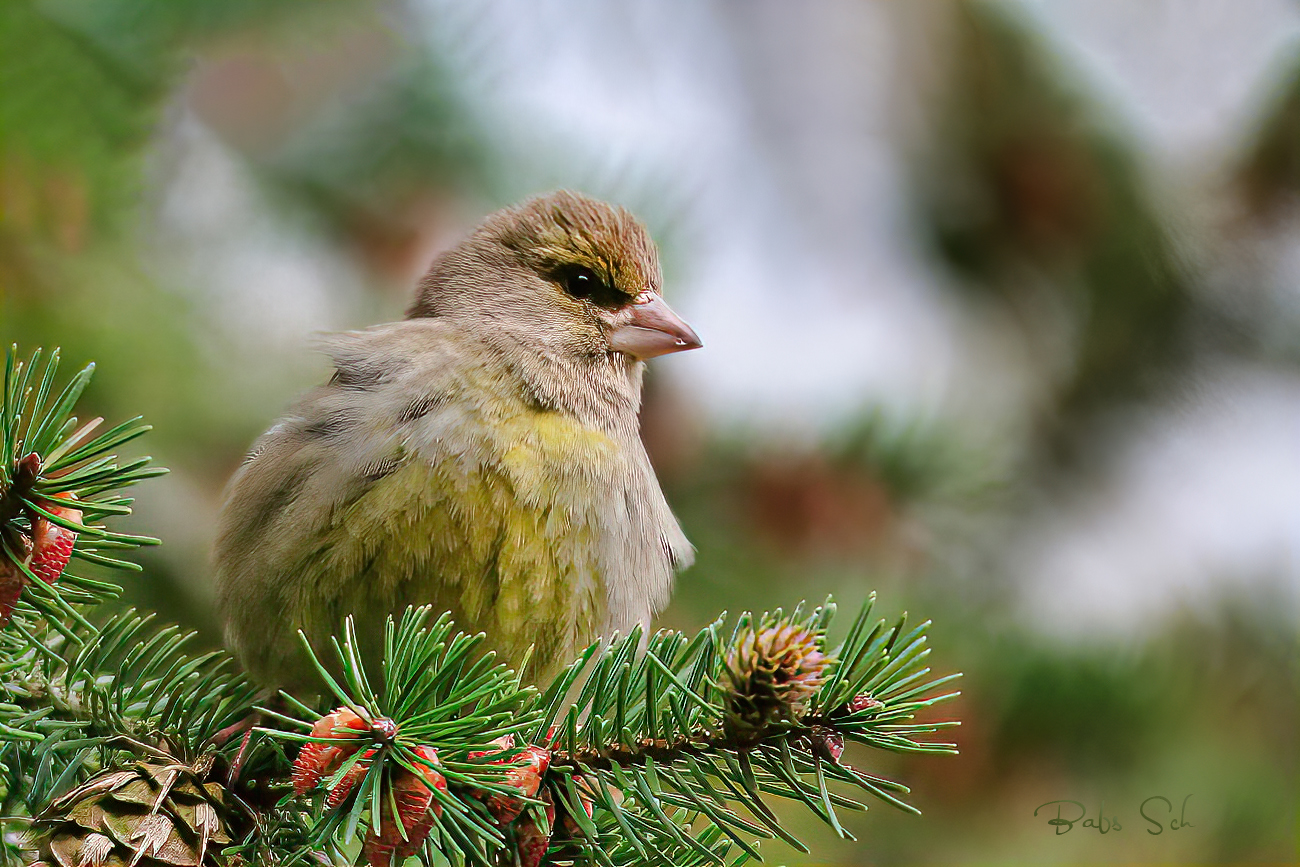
{"x":583,"y":283}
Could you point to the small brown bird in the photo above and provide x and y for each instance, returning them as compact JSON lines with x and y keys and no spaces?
{"x":482,"y":456}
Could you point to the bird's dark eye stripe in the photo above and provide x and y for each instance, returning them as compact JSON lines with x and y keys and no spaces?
{"x":584,"y":283}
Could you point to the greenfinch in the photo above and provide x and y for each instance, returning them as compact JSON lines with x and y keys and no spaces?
{"x":482,"y":456}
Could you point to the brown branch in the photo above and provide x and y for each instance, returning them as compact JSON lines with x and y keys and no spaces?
{"x":25,"y":473}
{"x":662,"y":750}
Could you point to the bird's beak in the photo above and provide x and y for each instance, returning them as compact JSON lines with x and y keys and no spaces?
{"x":652,"y":329}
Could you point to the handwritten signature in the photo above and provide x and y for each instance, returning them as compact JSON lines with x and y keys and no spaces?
{"x":1071,"y":813}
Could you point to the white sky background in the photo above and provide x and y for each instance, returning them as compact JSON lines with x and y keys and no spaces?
{"x":798,"y":277}
{"x":775,"y":130}
{"x":1205,"y":498}
{"x":812,"y":298}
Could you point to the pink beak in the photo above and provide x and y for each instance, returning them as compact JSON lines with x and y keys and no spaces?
{"x":653,"y":329}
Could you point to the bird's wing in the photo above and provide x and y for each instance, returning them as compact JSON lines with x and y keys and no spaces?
{"x":403,"y":481}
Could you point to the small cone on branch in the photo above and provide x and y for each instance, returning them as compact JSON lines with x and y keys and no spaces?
{"x":318,"y":760}
{"x":51,"y":543}
{"x":864,"y":701}
{"x":568,"y":824}
{"x":388,"y":844}
{"x":12,"y":579}
{"x":531,"y":841}
{"x":527,"y":778}
{"x":339,"y":792}
{"x":45,"y":553}
{"x":827,"y":743}
{"x":773,"y":671}
{"x":501,"y":744}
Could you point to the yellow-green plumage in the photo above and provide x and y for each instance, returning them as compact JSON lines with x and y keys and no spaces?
{"x":486,"y":543}
{"x":489,"y":468}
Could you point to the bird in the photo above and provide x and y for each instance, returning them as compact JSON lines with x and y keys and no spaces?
{"x":481,"y":456}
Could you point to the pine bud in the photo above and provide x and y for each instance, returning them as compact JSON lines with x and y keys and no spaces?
{"x":416,"y":811}
{"x":27,"y":470}
{"x":52,"y":544}
{"x":318,"y":760}
{"x":527,"y":778}
{"x":863,"y":701}
{"x":774,"y":671}
{"x":827,"y":743}
{"x":531,"y":842}
{"x":12,"y":580}
{"x":340,"y":790}
{"x":505,"y":742}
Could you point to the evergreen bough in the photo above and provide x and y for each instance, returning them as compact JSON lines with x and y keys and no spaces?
{"x":119,"y":745}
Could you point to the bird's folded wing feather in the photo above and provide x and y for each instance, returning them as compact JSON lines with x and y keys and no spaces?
{"x":416,"y":475}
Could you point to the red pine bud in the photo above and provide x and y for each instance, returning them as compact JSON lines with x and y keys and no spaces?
{"x":416,"y":810}
{"x":26,"y":470}
{"x":12,"y":582}
{"x":339,"y":718}
{"x":863,"y":701}
{"x":318,"y":760}
{"x":431,"y":778}
{"x":505,"y":742}
{"x":526,"y":778}
{"x":530,"y":843}
{"x":310,"y":766}
{"x":384,"y":729}
{"x":827,"y":742}
{"x":52,"y":544}
{"x":339,"y":793}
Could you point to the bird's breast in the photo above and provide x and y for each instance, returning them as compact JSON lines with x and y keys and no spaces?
{"x":553,"y":460}
{"x":516,"y":524}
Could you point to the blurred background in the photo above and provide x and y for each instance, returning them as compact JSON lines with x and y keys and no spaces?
{"x":1001,"y":304}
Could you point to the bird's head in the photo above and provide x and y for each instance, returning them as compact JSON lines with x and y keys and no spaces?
{"x":563,"y":285}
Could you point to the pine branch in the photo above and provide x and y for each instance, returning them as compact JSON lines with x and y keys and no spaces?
{"x":664,"y":750}
{"x":57,"y":482}
{"x":665,"y":737}
{"x":68,"y":705}
{"x":677,"y":721}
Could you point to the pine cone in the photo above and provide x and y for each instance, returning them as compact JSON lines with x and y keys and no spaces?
{"x":531,"y":842}
{"x":12,"y":579}
{"x":150,"y":815}
{"x":340,"y":790}
{"x":318,"y":760}
{"x":774,"y":671}
{"x":416,"y":810}
{"x":45,"y":552}
{"x":864,"y":701}
{"x":52,"y":544}
{"x":527,"y":778}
